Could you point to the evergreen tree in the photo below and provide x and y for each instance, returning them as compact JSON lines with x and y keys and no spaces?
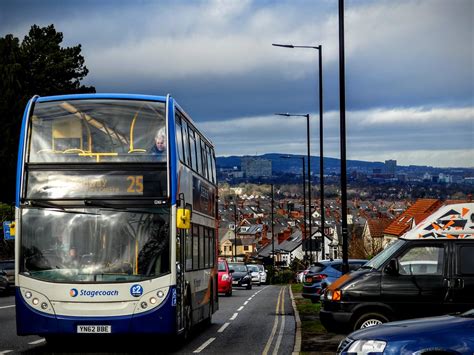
{"x":36,"y":66}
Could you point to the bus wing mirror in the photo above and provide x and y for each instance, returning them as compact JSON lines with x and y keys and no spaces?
{"x":183,"y":218}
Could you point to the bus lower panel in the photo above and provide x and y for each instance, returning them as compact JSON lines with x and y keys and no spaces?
{"x":32,"y":322}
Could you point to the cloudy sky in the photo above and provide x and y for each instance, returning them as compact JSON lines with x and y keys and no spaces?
{"x":409,"y":69}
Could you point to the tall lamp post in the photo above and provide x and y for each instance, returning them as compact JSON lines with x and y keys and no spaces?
{"x":304,"y":199}
{"x":235,"y":229}
{"x":273,"y":235}
{"x":309,"y":173}
{"x":321,"y":153}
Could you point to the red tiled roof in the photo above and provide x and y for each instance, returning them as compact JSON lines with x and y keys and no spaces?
{"x":421,"y":209}
{"x":377,"y":226}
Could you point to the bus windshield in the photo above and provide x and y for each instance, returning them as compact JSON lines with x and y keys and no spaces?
{"x":94,"y":245}
{"x":98,"y":130}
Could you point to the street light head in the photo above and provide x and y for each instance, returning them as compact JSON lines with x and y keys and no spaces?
{"x":283,"y":45}
{"x":283,"y":114}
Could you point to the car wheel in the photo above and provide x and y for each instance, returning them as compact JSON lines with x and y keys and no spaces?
{"x":369,"y":320}
{"x":229,"y":293}
{"x":249,"y":286}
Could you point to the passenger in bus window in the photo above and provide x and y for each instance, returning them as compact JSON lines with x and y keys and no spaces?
{"x":159,"y":146}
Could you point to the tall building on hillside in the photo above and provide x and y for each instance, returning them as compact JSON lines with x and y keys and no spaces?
{"x":256,"y":167}
{"x":391,"y":167}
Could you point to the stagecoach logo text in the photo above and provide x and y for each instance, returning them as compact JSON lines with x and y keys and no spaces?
{"x":92,"y":293}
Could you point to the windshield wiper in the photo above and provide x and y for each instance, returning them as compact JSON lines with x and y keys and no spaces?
{"x":44,"y":204}
{"x":96,"y":203}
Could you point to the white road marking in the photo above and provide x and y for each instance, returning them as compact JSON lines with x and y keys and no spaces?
{"x":246,"y":302}
{"x":240,"y":308}
{"x":203,"y":346}
{"x":7,"y":307}
{"x":275,"y":323}
{"x":5,"y":352}
{"x":249,"y":299}
{"x":37,"y":341}
{"x":234,"y":316}
{"x":282,"y":325}
{"x":221,"y":329}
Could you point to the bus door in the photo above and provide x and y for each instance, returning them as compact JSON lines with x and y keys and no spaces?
{"x":180,"y":280}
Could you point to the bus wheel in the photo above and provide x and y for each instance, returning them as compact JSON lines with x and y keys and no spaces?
{"x":188,"y":320}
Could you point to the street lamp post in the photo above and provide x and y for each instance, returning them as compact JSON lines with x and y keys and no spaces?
{"x":304,"y":202}
{"x":273,"y":235}
{"x":321,"y":154}
{"x":309,"y":174}
{"x":235,"y":229}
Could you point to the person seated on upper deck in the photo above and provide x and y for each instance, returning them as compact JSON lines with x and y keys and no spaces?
{"x":159,"y":147}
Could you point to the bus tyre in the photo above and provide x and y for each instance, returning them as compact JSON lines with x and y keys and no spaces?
{"x":188,"y":321}
{"x":369,"y":320}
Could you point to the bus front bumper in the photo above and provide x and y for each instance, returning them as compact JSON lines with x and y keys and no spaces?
{"x":30,"y":321}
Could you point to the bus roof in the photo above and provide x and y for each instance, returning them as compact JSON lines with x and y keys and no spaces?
{"x":101,"y":96}
{"x":449,"y":222}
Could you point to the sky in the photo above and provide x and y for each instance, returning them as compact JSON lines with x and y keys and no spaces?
{"x":409,"y":69}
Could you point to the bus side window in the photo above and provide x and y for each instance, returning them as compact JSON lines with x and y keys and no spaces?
{"x":192,"y":146}
{"x":202,"y":240}
{"x":179,"y":138}
{"x":209,"y":163}
{"x":186,"y":144}
{"x":213,"y":164}
{"x":204,"y":160}
{"x":188,"y":250}
{"x":213,"y":247}
{"x":195,"y":247}
{"x":199,"y":155}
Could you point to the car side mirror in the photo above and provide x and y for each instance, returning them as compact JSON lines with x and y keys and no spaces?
{"x":231,"y":271}
{"x":392,"y":268}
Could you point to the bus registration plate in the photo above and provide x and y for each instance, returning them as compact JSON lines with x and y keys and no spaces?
{"x":94,"y":329}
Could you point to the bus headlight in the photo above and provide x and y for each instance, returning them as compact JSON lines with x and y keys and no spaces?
{"x":144,"y":305}
{"x":44,"y":305}
{"x":35,"y":301}
{"x":153,"y":300}
{"x":28,"y":294}
{"x":160,"y":294}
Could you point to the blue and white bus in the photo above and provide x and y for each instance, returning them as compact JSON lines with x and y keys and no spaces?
{"x":114,"y":235}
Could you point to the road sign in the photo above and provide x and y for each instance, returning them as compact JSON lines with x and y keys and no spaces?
{"x":8,"y":230}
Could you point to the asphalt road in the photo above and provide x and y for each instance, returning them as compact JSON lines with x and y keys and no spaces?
{"x":257,"y":321}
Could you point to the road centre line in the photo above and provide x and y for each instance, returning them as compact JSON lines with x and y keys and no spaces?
{"x":245,"y":303}
{"x":5,"y":352}
{"x":7,"y":307}
{"x":203,"y":346}
{"x":37,"y":341}
{"x":240,"y":308}
{"x":234,"y":316}
{"x":249,"y":299}
{"x":221,"y":329}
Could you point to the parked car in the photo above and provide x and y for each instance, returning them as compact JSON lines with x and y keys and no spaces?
{"x":4,"y":286}
{"x":224,"y":278}
{"x":452,"y":334}
{"x":427,"y":272}
{"x":263,"y":273}
{"x":255,"y":274}
{"x":322,"y":274}
{"x":300,"y":275}
{"x":240,"y":275}
{"x":8,"y":267}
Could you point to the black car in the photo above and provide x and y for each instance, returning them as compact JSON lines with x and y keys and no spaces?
{"x":8,"y":267}
{"x":241,"y":275}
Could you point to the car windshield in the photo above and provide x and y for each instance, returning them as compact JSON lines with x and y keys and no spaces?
{"x":238,"y":267}
{"x":382,"y":257}
{"x":253,"y":268}
{"x":261,"y":268}
{"x":318,"y":267}
{"x":221,"y":266}
{"x":94,"y":245}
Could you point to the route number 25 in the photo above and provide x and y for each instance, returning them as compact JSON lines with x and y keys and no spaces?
{"x":135,"y":185}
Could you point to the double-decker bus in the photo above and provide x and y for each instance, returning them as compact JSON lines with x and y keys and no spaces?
{"x":116,"y":217}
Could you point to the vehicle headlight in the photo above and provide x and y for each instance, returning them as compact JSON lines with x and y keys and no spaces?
{"x":225,"y":277}
{"x":367,"y":346}
{"x":334,"y":295}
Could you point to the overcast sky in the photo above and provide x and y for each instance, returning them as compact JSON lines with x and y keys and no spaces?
{"x":409,"y":69}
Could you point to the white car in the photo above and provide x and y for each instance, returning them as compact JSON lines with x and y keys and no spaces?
{"x":255,"y":274}
{"x":263,"y":274}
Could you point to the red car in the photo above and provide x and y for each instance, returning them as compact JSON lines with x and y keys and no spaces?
{"x":224,"y":280}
